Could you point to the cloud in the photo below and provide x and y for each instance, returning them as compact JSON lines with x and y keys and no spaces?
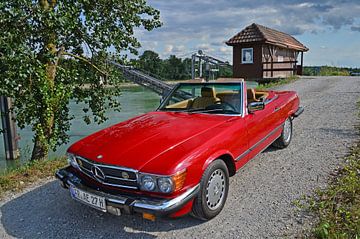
{"x":179,"y":49}
{"x":192,"y":24}
{"x":205,"y":47}
{"x":355,"y":28}
{"x":168,"y":49}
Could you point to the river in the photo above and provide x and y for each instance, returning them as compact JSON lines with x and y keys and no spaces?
{"x":134,"y":101}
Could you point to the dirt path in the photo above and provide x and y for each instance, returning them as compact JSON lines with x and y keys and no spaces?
{"x":261,"y":194}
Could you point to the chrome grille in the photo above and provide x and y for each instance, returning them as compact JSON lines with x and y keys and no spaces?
{"x":114,"y":175}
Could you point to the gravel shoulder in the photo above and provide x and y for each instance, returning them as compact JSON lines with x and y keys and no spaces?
{"x":260,"y":201}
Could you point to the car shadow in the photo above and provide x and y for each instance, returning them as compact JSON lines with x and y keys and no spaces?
{"x":49,"y":212}
{"x":270,"y":149}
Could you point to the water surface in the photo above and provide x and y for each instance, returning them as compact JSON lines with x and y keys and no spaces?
{"x":134,"y":101}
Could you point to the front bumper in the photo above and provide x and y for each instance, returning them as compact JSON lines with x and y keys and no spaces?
{"x":130,"y":204}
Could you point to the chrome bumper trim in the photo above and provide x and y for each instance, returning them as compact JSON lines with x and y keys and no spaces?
{"x":130,"y":204}
{"x":298,"y":112}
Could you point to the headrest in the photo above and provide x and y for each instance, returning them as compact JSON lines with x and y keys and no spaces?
{"x":207,"y":92}
{"x":250,"y":93}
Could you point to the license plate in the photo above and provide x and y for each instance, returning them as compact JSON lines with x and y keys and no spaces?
{"x":88,"y":198}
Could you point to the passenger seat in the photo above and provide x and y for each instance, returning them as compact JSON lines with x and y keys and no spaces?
{"x":251,"y":96}
{"x":208,"y":97}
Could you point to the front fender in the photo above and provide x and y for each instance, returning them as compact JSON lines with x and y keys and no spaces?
{"x":214,"y":156}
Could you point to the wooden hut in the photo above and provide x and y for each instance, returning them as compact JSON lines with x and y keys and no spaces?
{"x":260,"y":52}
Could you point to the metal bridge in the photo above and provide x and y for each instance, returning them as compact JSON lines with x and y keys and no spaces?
{"x":144,"y":79}
{"x":157,"y":85}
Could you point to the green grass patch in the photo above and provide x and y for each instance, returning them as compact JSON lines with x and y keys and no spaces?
{"x":328,"y":71}
{"x":278,"y":82}
{"x":18,"y":179}
{"x":338,"y":206}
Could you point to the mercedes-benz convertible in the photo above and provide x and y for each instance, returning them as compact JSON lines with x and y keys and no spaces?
{"x":178,"y":159}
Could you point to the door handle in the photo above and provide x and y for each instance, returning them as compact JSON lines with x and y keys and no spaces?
{"x":277,"y":109}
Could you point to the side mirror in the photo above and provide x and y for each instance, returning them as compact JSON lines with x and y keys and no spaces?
{"x":255,"y":106}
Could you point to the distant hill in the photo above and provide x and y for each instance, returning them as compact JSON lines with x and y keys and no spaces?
{"x":330,"y":71}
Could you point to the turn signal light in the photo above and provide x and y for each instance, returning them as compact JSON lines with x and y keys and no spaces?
{"x":179,"y":180}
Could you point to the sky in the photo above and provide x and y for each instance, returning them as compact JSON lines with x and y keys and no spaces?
{"x":329,"y":28}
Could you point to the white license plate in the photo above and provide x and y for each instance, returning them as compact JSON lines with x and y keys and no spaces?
{"x":88,"y":198}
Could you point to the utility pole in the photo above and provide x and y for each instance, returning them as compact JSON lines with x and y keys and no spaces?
{"x":9,"y":129}
{"x":209,"y":61}
{"x":207,"y":71}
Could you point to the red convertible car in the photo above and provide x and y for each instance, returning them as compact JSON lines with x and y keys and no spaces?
{"x":178,"y":159}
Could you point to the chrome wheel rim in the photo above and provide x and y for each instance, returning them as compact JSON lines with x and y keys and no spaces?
{"x":215,"y":189}
{"x":287,"y":130}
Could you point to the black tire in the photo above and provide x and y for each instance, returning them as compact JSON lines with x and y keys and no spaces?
{"x":216,"y":174}
{"x":285,"y":138}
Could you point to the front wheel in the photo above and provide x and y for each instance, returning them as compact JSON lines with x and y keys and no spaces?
{"x":285,"y":138}
{"x":214,"y":187}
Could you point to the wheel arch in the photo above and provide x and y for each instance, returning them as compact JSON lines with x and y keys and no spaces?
{"x":227,"y":158}
{"x":230,"y":163}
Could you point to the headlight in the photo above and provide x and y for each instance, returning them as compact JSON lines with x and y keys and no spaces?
{"x":162,"y":184}
{"x":148,"y":183}
{"x":165,"y":185}
{"x":72,"y":160}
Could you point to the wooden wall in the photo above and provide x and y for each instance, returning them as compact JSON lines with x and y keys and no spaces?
{"x":261,"y":54}
{"x":247,"y":71}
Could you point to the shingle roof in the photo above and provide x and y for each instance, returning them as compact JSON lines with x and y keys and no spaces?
{"x":259,"y":33}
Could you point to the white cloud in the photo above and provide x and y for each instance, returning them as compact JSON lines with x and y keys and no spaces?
{"x":205,"y":24}
{"x":168,"y":49}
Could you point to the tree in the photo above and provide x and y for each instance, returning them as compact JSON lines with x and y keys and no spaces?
{"x":173,"y":68}
{"x":44,"y":62}
{"x":151,"y":62}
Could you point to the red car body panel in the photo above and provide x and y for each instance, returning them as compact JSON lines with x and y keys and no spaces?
{"x":165,"y":143}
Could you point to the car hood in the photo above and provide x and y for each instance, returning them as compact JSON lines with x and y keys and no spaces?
{"x":136,"y":142}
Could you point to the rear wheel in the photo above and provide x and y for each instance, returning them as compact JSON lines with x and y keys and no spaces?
{"x":285,"y":138}
{"x":214,"y":187}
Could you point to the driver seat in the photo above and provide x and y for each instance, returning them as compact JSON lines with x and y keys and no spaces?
{"x":208,"y":97}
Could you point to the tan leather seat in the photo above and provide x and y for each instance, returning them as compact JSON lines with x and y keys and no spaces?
{"x":251,"y":96}
{"x":208,"y":97}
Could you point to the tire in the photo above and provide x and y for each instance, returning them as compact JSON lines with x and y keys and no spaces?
{"x":285,"y":138}
{"x":214,"y":188}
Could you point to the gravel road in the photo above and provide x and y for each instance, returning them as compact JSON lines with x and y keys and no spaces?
{"x":259,"y":204}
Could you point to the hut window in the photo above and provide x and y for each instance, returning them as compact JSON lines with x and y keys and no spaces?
{"x":247,"y":55}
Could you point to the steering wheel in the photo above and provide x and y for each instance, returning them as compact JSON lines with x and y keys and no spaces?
{"x":228,"y":106}
{"x":222,"y":105}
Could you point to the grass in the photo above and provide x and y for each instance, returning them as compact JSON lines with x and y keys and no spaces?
{"x":279,"y":82}
{"x":18,"y":179}
{"x":338,"y":206}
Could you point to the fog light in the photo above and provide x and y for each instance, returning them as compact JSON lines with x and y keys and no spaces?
{"x":149,"y":216}
{"x":113,"y":210}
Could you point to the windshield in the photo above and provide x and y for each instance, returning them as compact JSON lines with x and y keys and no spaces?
{"x":216,"y":98}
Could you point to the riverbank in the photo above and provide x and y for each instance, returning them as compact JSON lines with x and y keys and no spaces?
{"x":128,"y":84}
{"x":32,"y":172}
